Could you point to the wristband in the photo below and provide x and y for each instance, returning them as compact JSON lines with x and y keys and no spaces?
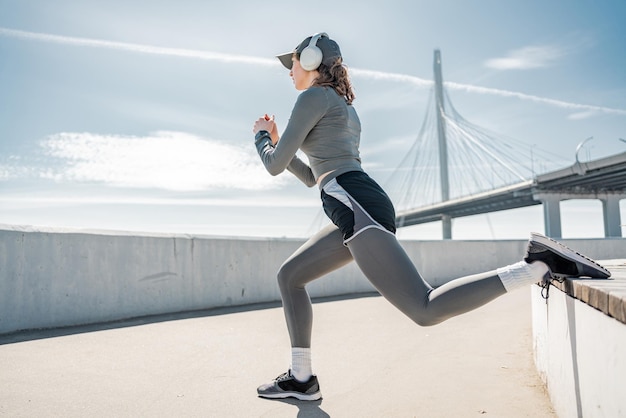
{"x":260,"y":135}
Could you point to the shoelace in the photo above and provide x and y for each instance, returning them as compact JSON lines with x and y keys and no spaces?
{"x":284,"y":376}
{"x":545,"y":286}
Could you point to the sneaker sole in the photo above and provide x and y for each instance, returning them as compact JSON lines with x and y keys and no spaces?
{"x":300,"y":396}
{"x":566,"y":252}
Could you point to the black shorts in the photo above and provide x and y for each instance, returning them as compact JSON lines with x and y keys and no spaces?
{"x":354,"y":202}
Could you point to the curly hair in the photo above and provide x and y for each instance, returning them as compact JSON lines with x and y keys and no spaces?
{"x":336,"y":76}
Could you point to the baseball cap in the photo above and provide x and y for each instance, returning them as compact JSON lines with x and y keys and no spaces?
{"x":330,"y":51}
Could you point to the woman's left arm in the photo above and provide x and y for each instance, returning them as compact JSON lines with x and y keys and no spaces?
{"x":302,"y":171}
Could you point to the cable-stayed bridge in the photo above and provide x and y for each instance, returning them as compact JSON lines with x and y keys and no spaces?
{"x":456,"y":169}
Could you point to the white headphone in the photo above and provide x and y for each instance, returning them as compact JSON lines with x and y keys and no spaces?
{"x":311,"y":57}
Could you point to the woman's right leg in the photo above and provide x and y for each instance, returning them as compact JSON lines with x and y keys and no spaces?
{"x":321,"y":254}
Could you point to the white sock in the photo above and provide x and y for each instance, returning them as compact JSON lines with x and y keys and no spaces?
{"x":521,"y":274}
{"x":301,"y":363}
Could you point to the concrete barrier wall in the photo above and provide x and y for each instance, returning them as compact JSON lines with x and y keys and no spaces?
{"x":53,"y":278}
{"x":579,"y":353}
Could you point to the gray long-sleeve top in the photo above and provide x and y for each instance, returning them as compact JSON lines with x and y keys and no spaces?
{"x":326,"y":129}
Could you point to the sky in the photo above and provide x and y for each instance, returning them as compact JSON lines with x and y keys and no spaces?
{"x":137,"y":116}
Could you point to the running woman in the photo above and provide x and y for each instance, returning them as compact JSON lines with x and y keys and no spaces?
{"x":326,"y":127}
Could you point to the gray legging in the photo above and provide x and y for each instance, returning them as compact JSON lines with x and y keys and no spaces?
{"x":387,"y":266}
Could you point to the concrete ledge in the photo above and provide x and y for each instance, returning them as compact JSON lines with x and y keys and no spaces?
{"x":579,"y":335}
{"x":608,"y":296}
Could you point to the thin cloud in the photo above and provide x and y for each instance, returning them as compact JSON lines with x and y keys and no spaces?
{"x":140,"y":48}
{"x":164,"y":160}
{"x":523,"y":58}
{"x":558,"y":103}
{"x":527,"y":58}
{"x":383,"y":76}
{"x":189,"y":53}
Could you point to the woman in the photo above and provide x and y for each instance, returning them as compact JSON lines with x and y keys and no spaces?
{"x":325,"y":126}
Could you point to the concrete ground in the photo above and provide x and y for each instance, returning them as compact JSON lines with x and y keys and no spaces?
{"x":370,"y":359}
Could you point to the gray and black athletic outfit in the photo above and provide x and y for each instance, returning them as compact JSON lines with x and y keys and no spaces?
{"x":327,"y":130}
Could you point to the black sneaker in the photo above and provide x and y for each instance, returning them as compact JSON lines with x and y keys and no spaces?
{"x":286,"y":386}
{"x":561,"y":260}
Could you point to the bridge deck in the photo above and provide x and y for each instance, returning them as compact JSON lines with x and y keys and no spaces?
{"x":606,"y":175}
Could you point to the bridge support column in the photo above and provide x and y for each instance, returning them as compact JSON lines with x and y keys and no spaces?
{"x":446,"y":225}
{"x":551,"y":214}
{"x":612,"y":218}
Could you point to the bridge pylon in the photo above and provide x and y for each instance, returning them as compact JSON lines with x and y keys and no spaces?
{"x":446,"y":220}
{"x":488,"y":174}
